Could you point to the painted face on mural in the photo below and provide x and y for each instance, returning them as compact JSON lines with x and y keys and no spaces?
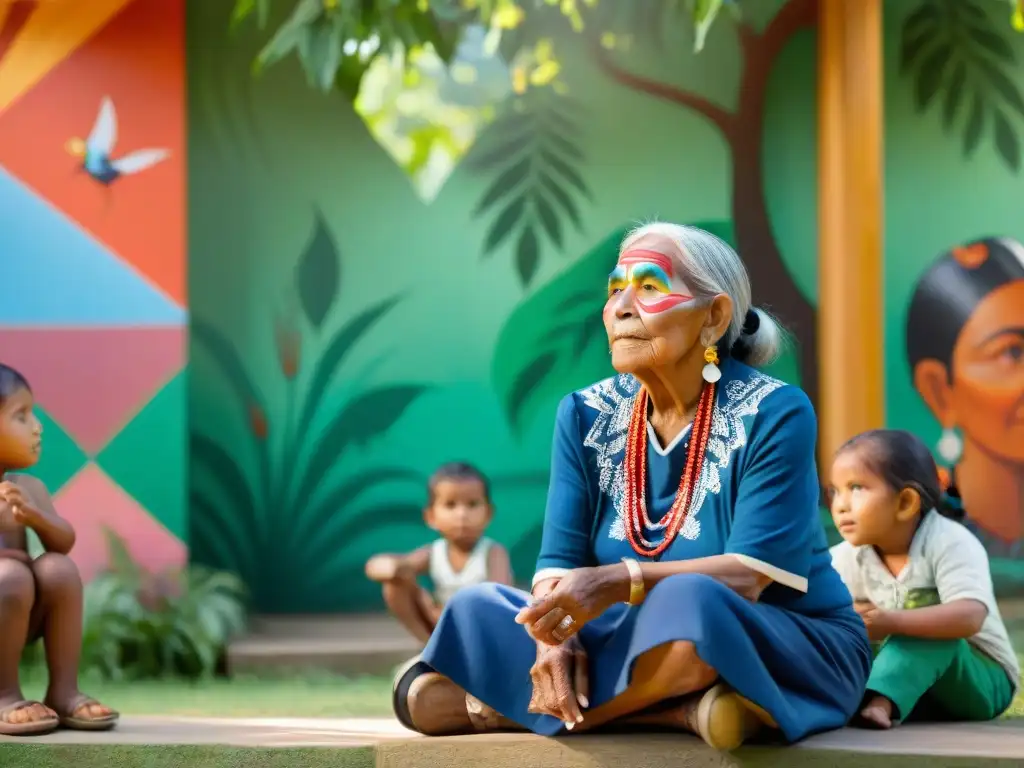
{"x":20,"y":431}
{"x":986,"y":392}
{"x":651,"y":316}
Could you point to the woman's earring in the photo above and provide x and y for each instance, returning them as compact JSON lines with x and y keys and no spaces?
{"x":950,"y":446}
{"x":711,"y":372}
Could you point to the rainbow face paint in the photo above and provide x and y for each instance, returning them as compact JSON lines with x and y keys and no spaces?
{"x":651,"y":275}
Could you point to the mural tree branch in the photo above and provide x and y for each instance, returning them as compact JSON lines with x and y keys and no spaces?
{"x":742,"y":131}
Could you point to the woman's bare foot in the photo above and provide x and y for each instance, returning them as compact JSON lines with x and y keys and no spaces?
{"x":877,"y":713}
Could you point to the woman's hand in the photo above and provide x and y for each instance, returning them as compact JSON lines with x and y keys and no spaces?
{"x":561,"y":682}
{"x":580,"y":596}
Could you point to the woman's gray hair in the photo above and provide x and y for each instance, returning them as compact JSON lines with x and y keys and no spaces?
{"x":711,"y":267}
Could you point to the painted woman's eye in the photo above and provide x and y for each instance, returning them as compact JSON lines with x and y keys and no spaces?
{"x":1013,"y":352}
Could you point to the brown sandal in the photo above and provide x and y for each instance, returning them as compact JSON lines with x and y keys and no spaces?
{"x":31,"y":728}
{"x":72,"y":723}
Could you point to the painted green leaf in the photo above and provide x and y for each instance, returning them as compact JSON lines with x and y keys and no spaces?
{"x":954,"y":94}
{"x":929,"y":76}
{"x":1002,"y":84}
{"x":334,"y":541}
{"x":319,"y":518}
{"x":992,"y":42}
{"x":504,"y":224}
{"x":1006,"y":141}
{"x":532,"y":364}
{"x":549,"y":219}
{"x":498,"y":153}
{"x":563,"y":199}
{"x":527,"y":255}
{"x":337,"y":350}
{"x":507,"y":183}
{"x":225,"y":472}
{"x":292,"y":35}
{"x":975,"y":125}
{"x":918,"y":31}
{"x":212,"y":541}
{"x":318,"y":275}
{"x":363,"y":418}
{"x":566,"y":171}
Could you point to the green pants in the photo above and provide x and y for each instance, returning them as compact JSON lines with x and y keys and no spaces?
{"x":939,"y":680}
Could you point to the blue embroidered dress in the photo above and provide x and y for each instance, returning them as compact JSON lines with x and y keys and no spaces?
{"x":800,"y":652}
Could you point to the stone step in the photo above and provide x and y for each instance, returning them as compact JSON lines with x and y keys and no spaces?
{"x":359,"y":644}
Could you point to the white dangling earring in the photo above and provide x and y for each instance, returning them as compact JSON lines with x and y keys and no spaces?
{"x":950,"y":446}
{"x":711,"y":372}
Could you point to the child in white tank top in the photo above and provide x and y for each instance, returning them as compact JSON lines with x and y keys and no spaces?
{"x":459,"y":509}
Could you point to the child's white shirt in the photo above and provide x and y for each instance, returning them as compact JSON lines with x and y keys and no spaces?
{"x":447,"y":581}
{"x":946,"y":563}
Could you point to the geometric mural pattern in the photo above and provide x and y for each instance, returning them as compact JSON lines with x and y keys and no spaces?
{"x":93,"y":223}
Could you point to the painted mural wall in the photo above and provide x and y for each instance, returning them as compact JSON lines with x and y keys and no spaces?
{"x":92,"y":237}
{"x":353,"y":327}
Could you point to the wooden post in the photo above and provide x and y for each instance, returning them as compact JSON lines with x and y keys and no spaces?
{"x":850,"y":206}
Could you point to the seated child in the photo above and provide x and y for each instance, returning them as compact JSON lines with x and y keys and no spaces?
{"x":921,"y":583}
{"x":41,"y":597}
{"x":458,"y":508}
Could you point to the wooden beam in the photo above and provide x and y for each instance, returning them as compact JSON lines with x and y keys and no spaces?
{"x":850,"y":222}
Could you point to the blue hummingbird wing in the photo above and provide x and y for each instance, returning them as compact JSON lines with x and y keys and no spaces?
{"x":103,"y":136}
{"x":139,"y":160}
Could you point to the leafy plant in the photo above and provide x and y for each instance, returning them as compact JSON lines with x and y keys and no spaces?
{"x":280,"y":527}
{"x":138,"y":625}
{"x":956,"y":58}
{"x":534,"y":152}
{"x":336,"y":40}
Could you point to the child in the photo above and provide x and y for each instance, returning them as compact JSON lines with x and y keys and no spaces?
{"x":949,"y":658}
{"x":41,"y":597}
{"x":458,"y":508}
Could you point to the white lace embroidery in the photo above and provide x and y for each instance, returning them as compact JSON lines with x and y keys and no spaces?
{"x":613,"y":400}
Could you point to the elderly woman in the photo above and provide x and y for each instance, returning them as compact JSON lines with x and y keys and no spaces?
{"x":684,"y":578}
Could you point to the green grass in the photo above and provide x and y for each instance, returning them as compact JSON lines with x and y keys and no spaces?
{"x":324,"y":695}
{"x":111,"y":756}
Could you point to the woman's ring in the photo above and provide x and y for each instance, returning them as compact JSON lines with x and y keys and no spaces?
{"x":565,"y":625}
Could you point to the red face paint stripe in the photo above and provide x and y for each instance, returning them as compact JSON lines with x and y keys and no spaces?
{"x":672,"y":300}
{"x":653,"y":257}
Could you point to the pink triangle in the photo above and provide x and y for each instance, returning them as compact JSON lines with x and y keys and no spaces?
{"x":92,"y":381}
{"x":92,"y":502}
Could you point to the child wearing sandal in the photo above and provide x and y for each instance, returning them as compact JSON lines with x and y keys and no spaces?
{"x":39,"y":597}
{"x":921,"y":582}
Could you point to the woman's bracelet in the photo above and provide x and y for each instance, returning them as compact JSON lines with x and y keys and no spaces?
{"x":637,"y":591}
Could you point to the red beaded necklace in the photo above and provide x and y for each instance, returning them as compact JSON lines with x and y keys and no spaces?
{"x":637,"y":521}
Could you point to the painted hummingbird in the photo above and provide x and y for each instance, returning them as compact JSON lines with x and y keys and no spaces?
{"x":95,"y":151}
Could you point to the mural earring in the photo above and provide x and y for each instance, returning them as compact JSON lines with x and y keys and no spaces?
{"x":950,"y":446}
{"x":711,"y":372}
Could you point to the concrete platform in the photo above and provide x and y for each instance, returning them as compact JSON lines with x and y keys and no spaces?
{"x":391,"y":746}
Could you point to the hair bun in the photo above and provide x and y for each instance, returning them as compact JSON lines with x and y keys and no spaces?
{"x":751,"y":323}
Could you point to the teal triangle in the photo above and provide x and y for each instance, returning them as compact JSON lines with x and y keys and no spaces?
{"x":61,"y":458}
{"x":57,"y":274}
{"x":148,"y":457}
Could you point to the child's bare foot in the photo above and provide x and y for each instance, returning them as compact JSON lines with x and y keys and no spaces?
{"x":79,"y":712}
{"x":877,"y":713}
{"x":19,"y":717}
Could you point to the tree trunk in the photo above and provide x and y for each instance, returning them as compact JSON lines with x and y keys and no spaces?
{"x":773,"y":287}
